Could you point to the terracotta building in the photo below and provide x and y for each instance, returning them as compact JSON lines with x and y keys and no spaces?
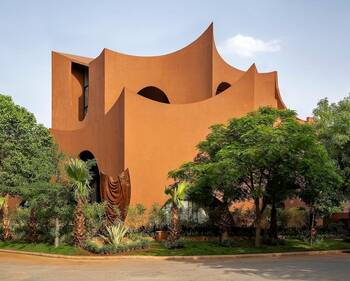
{"x":146,"y":114}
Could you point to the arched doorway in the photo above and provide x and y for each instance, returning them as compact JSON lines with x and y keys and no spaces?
{"x":154,"y":93}
{"x":95,"y":192}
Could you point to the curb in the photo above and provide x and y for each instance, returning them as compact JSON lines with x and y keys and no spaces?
{"x":189,"y":258}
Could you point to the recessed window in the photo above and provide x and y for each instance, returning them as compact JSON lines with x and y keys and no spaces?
{"x":154,"y":93}
{"x":81,"y":75}
{"x":222,"y":87}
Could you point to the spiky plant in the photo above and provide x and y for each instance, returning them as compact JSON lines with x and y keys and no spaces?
{"x":177,"y":194}
{"x":115,"y":234}
{"x":79,"y":177}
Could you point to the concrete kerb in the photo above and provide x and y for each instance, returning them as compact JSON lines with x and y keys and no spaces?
{"x":179,"y":258}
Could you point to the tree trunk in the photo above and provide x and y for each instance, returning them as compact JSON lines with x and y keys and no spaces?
{"x":224,"y":234}
{"x":257,"y":222}
{"x":79,"y":225}
{"x":273,"y":235}
{"x":175,"y":227}
{"x":6,"y":234}
{"x":33,"y":227}
{"x":57,"y":232}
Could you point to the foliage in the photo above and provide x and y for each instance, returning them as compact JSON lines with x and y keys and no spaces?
{"x":27,"y":151}
{"x":293,"y":217}
{"x":50,"y":201}
{"x":79,"y":177}
{"x":265,"y":156}
{"x":120,"y":248}
{"x":177,"y":193}
{"x":95,"y":218}
{"x":115,"y":234}
{"x":157,"y":216}
{"x":136,"y":217}
{"x":332,"y":122}
{"x":177,"y":244}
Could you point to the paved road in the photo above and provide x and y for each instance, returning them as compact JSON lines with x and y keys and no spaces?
{"x":314,"y":268}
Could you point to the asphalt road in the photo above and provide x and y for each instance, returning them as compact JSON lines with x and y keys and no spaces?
{"x":316,"y":268}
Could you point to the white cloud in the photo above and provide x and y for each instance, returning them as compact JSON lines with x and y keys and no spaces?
{"x":247,"y":46}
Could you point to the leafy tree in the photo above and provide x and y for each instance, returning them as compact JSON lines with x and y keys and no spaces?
{"x":266,"y":156}
{"x":177,"y":194}
{"x":28,"y":153}
{"x":51,"y":208}
{"x":332,"y":122}
{"x":79,"y":177}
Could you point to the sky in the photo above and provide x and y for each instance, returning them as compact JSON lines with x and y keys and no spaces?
{"x":307,"y":42}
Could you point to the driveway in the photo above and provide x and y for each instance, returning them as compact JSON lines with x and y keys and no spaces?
{"x":316,"y":268}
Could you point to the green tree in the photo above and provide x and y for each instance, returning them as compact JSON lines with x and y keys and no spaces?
{"x":28,"y":153}
{"x":266,"y":156}
{"x":177,"y":195}
{"x":79,"y":177}
{"x":332,"y":122}
{"x":51,"y":208}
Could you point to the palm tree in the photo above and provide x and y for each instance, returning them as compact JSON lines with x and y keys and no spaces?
{"x":79,"y":177}
{"x":177,"y":193}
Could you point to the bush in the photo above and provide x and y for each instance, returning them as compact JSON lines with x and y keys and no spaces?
{"x":20,"y":223}
{"x":177,"y":244}
{"x":95,"y":218}
{"x":157,"y":217}
{"x":116,"y":249}
{"x":136,"y":217}
{"x":294,"y":217}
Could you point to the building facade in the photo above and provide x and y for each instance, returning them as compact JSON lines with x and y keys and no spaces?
{"x":145,"y":115}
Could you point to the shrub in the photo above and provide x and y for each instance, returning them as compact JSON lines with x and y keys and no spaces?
{"x":95,"y":218}
{"x":136,"y":217}
{"x":294,"y":217}
{"x":108,"y":249}
{"x":157,"y":216}
{"x":20,"y":223}
{"x":177,"y":244}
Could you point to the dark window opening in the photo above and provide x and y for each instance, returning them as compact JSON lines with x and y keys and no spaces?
{"x":154,"y":93}
{"x":81,"y":73}
{"x":95,"y":192}
{"x":222,"y":87}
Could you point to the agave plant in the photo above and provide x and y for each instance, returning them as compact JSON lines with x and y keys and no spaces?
{"x":115,"y":234}
{"x":79,"y":177}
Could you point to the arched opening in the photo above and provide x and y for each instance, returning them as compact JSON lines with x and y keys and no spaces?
{"x":222,"y":87}
{"x":154,"y":93}
{"x":95,"y":193}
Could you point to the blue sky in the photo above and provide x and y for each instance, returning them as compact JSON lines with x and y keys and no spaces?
{"x":307,"y":42}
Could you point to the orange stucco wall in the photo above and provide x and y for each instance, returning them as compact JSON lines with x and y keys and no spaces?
{"x":125,"y":130}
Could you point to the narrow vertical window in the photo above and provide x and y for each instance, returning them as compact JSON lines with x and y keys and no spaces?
{"x":80,"y":88}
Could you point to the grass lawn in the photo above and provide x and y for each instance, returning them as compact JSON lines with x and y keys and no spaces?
{"x":192,"y":248}
{"x":42,"y":248}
